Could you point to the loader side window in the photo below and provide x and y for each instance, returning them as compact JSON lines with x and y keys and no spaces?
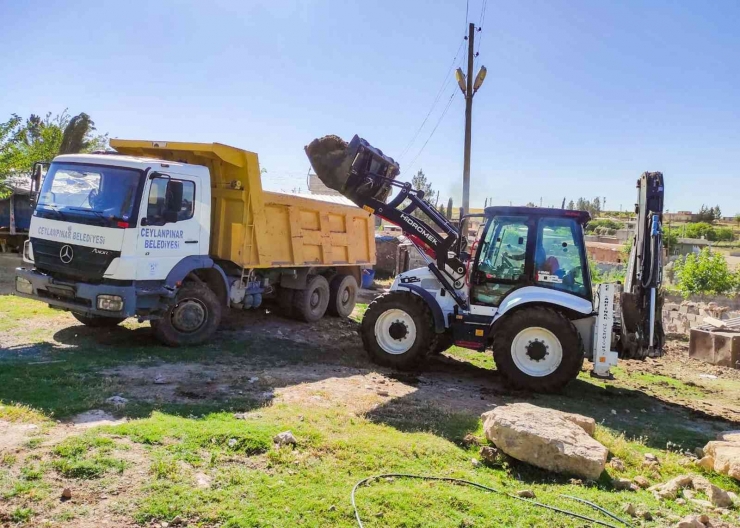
{"x":559,"y":258}
{"x":501,"y":260}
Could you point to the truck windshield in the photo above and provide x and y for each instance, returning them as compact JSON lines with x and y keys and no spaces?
{"x":107,"y":193}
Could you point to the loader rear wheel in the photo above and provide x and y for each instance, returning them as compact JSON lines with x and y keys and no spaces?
{"x":98,"y":321}
{"x":397,"y":330}
{"x":342,"y":295}
{"x":193,"y":318}
{"x":310,"y":304}
{"x":538,"y":349}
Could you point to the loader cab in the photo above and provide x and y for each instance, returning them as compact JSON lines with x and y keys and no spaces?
{"x":530,"y":246}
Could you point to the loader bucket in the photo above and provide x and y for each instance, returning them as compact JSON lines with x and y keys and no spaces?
{"x":356,"y":169}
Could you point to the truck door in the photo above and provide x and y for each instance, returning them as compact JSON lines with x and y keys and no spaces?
{"x":169,"y":228}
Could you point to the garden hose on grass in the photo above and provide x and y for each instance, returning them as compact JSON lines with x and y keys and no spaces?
{"x":493,"y":490}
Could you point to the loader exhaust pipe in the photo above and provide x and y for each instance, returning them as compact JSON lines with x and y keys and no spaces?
{"x":356,"y":169}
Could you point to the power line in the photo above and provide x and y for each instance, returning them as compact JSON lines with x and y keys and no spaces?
{"x":449,"y":103}
{"x":480,"y":24}
{"x":442,"y":88}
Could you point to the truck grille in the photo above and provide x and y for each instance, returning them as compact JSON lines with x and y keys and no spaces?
{"x":85,"y":263}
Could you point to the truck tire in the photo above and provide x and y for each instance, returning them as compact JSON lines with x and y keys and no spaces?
{"x":342,"y":295}
{"x":310,"y":304}
{"x":538,"y":349}
{"x":194,"y":317}
{"x":441,"y":342}
{"x":397,"y":330}
{"x":98,"y":321}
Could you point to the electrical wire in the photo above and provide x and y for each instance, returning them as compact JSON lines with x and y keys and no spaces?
{"x":444,"y":112}
{"x":492,"y":490}
{"x":442,"y":88}
{"x":480,"y":24}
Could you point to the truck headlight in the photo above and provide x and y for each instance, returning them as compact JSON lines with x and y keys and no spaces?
{"x":110,"y":303}
{"x":23,"y":286}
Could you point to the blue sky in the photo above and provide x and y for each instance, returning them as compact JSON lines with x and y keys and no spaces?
{"x":580,"y":98}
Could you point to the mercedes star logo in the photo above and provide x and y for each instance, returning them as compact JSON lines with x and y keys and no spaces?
{"x":66,"y":254}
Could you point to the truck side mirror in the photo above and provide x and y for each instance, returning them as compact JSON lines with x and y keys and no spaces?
{"x":173,"y":201}
{"x":36,"y":174}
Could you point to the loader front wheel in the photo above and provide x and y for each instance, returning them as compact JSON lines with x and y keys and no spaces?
{"x":538,"y":349}
{"x":193,"y":318}
{"x":397,"y":330}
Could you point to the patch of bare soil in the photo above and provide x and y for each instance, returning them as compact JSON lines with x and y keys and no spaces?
{"x":719,"y":386}
{"x":355,"y":388}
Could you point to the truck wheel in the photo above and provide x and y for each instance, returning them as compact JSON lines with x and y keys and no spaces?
{"x":310,"y":304}
{"x":192,"y":320}
{"x":342,"y":295}
{"x":538,"y":349}
{"x":397,"y":330}
{"x":98,"y":321}
{"x":441,"y":342}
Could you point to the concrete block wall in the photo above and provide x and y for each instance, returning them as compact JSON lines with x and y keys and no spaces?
{"x":681,"y":317}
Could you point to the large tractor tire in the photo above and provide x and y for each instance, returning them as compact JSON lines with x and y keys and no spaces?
{"x":441,"y":343}
{"x":398,"y":330}
{"x":98,"y":321}
{"x":538,"y":349}
{"x":192,"y":320}
{"x":342,"y":295}
{"x":310,"y":304}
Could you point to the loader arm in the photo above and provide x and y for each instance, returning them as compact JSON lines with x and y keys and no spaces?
{"x":640,"y":328}
{"x":366,"y":176}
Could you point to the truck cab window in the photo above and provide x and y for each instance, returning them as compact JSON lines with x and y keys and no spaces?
{"x":558,"y":260}
{"x":157,"y":202}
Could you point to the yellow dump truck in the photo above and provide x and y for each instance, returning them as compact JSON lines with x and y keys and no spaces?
{"x":176,"y":232}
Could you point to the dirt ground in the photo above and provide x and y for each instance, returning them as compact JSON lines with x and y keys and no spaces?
{"x":323,"y":366}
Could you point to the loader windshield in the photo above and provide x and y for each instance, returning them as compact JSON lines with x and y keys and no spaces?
{"x":90,"y":194}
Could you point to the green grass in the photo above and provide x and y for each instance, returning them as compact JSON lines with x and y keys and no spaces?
{"x":255,"y":484}
{"x":16,"y":311}
{"x":86,"y":457}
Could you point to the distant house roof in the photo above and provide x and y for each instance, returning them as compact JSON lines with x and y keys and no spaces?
{"x":316,"y":186}
{"x":694,"y":241}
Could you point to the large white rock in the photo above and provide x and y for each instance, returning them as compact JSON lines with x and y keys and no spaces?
{"x":546,"y":438}
{"x":723,"y":454}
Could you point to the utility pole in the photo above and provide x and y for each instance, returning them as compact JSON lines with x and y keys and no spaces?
{"x":469,"y":87}
{"x":468,"y":120}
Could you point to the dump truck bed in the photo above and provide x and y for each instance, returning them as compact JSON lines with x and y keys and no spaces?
{"x":260,"y":229}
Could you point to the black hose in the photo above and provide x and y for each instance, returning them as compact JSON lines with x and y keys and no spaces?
{"x":493,"y":490}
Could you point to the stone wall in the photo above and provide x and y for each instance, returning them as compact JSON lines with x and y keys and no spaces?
{"x":681,"y":317}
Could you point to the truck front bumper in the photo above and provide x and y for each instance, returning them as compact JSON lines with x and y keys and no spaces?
{"x":74,"y":296}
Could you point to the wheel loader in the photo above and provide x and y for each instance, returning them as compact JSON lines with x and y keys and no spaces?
{"x":521,"y":289}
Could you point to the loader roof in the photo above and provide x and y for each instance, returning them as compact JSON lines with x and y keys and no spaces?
{"x":582,"y":216}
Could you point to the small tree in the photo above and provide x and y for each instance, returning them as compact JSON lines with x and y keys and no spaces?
{"x":449,"y":209}
{"x":717,"y":212}
{"x":737,"y":219}
{"x":572,"y":206}
{"x":705,"y":273}
{"x":420,"y":183}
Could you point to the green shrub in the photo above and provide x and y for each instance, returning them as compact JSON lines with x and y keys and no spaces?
{"x":705,"y":273}
{"x":603,"y":223}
